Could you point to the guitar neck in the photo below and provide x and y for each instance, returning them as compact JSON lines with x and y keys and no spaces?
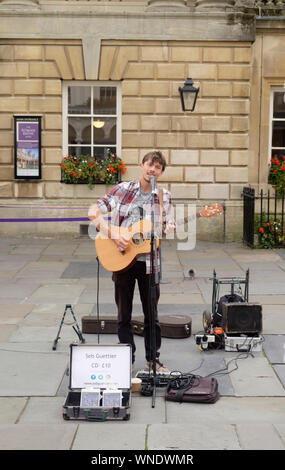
{"x":189,"y":218}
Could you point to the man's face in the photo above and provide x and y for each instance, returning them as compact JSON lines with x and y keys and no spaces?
{"x":149,"y":169}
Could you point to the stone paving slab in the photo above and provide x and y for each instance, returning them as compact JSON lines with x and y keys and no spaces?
{"x":37,"y":436}
{"x":229,"y":410}
{"x":61,"y":247}
{"x":45,"y":334}
{"x":30,"y":372}
{"x":41,"y":410}
{"x":6,"y":331}
{"x":274,"y":347}
{"x":51,"y":314}
{"x":7,"y":274}
{"x":258,"y":268}
{"x":42,"y":270}
{"x":166,"y":298}
{"x":110,"y":436}
{"x":192,"y":436}
{"x":275,"y":287}
{"x":78,"y":269}
{"x":263,"y":436}
{"x":273,"y":319}
{"x":268,"y":299}
{"x":280,"y":428}
{"x":245,"y":256}
{"x":61,"y":293}
{"x":163,"y":309}
{"x":217,"y":263}
{"x":255,"y":377}
{"x":11,"y":409}
{"x":11,"y":291}
{"x":280,"y":371}
{"x":14,"y":313}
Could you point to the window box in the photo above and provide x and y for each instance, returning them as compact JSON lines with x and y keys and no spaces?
{"x":92,"y":170}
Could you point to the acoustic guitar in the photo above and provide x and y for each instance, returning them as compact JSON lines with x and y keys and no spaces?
{"x":138,"y":235}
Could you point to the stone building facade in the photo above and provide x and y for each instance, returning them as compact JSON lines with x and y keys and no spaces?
{"x":233,"y":50}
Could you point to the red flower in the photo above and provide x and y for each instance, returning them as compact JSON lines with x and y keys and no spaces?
{"x":89,"y":164}
{"x":274,"y":171}
{"x":74,"y":174}
{"x":267,"y":224}
{"x":261,"y":229}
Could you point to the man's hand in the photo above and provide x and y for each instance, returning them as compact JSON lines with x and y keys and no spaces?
{"x":170,"y":227}
{"x":121,"y":242}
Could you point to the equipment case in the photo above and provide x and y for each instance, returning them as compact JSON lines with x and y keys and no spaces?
{"x":105,"y":324}
{"x":172,"y":326}
{"x":243,"y":343}
{"x":103,"y":367}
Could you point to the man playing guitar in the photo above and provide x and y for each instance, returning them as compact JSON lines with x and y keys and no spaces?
{"x":130,"y":202}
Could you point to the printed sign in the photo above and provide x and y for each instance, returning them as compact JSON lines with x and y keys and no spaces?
{"x":100,"y":366}
{"x":27,"y":147}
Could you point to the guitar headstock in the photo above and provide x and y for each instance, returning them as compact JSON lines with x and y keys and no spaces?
{"x":210,"y":211}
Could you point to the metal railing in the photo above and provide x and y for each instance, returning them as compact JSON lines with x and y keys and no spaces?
{"x":263,"y":213}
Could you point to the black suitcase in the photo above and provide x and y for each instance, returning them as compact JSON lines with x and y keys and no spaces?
{"x":101,"y":371}
{"x":172,"y":326}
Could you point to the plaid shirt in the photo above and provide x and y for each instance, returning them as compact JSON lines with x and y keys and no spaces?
{"x":122,"y":198}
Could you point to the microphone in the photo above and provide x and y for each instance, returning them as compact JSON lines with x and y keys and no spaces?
{"x":152,"y":183}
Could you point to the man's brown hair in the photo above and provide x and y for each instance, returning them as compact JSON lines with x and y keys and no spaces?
{"x":155,"y":157}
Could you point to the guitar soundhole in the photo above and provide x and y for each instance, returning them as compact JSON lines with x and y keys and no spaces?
{"x":138,"y":238}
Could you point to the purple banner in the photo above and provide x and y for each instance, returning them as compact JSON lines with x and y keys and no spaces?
{"x":28,"y":147}
{"x":28,"y":131}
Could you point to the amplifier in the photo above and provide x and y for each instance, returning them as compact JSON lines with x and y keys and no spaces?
{"x":242,"y":317}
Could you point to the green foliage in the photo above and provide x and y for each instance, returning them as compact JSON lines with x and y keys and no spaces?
{"x":269,"y":232}
{"x":277,"y":174}
{"x":89,"y":169}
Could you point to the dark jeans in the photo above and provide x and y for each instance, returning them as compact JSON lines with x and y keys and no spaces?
{"x":124,"y":292}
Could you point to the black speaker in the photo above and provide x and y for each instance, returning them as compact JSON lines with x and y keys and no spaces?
{"x":242,"y":317}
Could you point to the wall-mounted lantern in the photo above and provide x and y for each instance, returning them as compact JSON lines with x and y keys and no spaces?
{"x":188,"y":95}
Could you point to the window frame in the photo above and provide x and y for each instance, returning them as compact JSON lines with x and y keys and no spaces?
{"x":65,"y":115}
{"x":272,"y":119}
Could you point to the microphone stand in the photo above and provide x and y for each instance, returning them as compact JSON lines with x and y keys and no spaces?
{"x":154,"y":279}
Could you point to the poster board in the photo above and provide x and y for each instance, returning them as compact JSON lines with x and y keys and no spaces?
{"x":100,"y":366}
{"x":27,"y":147}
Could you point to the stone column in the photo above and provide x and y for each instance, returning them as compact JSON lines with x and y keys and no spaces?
{"x":214,"y":4}
{"x":166,"y":5}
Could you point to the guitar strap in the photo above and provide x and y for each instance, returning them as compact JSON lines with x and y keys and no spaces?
{"x":160,"y":195}
{"x":161,"y":205}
